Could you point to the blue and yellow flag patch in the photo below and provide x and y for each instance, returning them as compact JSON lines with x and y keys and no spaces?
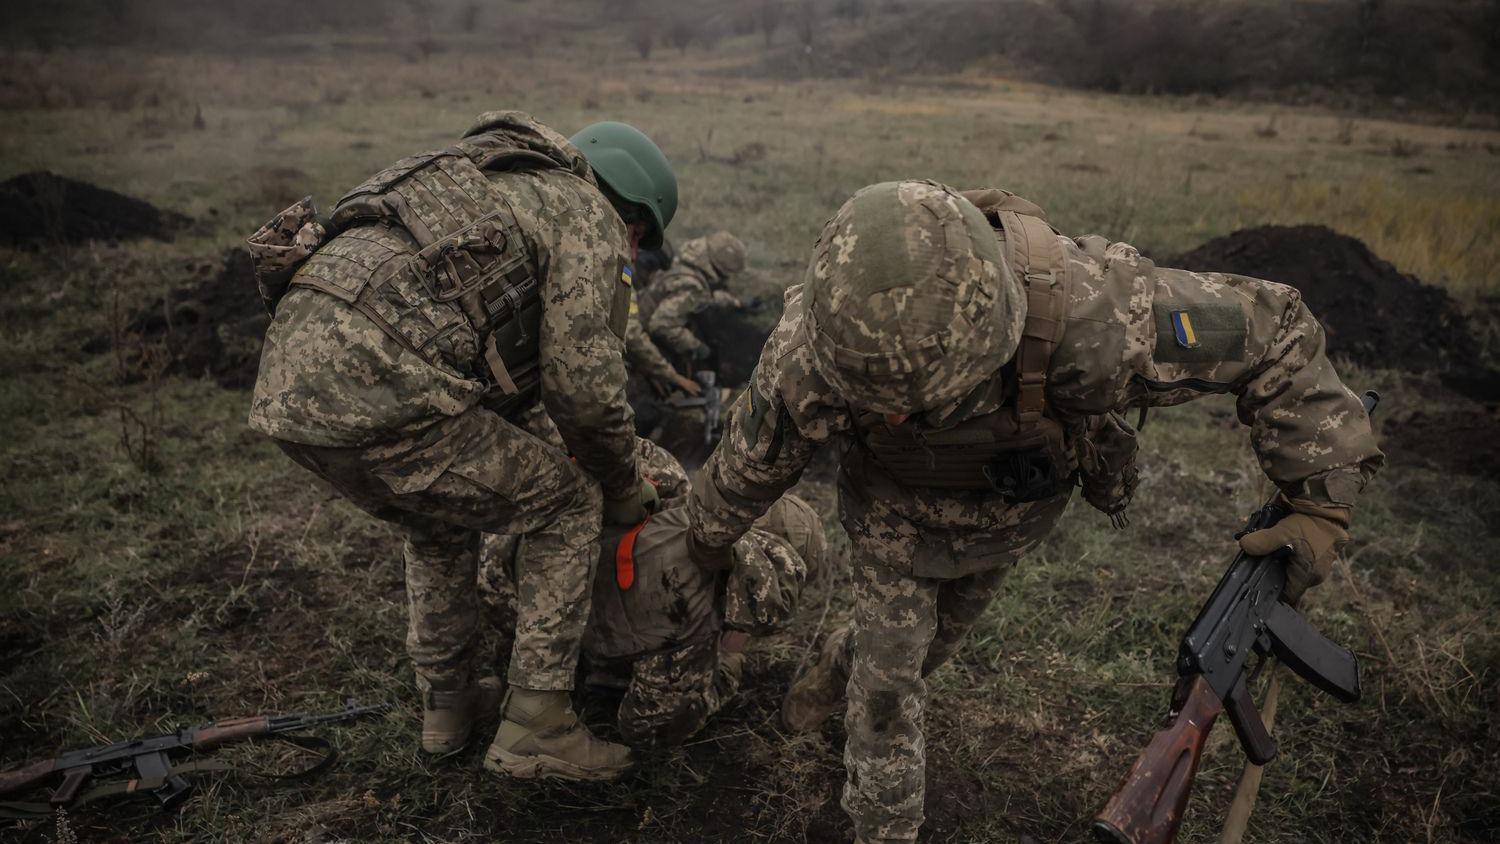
{"x":627,"y":275}
{"x":1182,"y":326}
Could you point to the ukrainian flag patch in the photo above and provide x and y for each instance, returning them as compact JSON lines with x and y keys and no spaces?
{"x":1182,"y":326}
{"x":1198,"y":332}
{"x":627,"y":275}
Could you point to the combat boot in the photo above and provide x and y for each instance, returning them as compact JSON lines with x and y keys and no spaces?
{"x":818,"y":690}
{"x":540,"y":736}
{"x":448,"y":717}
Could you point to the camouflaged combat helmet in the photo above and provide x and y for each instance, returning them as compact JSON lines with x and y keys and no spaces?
{"x":727,"y":253}
{"x":793,"y":519}
{"x":908,"y":302}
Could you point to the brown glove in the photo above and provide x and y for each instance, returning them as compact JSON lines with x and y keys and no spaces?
{"x":709,"y":557}
{"x":1314,"y":532}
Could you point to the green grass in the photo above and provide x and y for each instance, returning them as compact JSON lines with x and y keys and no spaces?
{"x":224,"y":582}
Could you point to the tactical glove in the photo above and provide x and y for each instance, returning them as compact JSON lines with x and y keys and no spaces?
{"x":709,"y":557}
{"x":1314,"y":532}
{"x":633,"y":508}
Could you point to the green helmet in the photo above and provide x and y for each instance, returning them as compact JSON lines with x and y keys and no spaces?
{"x":634,"y":168}
{"x":909,"y":304}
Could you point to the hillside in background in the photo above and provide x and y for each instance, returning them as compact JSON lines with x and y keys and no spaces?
{"x":1421,"y":55}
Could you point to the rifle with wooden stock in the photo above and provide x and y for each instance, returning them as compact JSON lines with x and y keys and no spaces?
{"x":151,"y":764}
{"x":1244,"y":618}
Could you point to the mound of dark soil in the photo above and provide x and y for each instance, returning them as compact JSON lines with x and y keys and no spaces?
{"x":43,"y":207}
{"x":213,"y":326}
{"x":1459,"y":439}
{"x":1374,"y":315}
{"x":736,"y":338}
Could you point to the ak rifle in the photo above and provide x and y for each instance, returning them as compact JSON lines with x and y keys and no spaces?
{"x":709,"y":399}
{"x":1244,"y":618}
{"x":151,"y":765}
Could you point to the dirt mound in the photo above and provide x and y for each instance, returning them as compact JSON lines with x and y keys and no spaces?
{"x":736,"y":338}
{"x":1457,"y":439}
{"x":1374,"y":315}
{"x":213,"y":326}
{"x":43,"y":207}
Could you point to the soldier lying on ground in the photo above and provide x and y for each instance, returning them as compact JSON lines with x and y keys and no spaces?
{"x":979,"y":362}
{"x":401,"y":389}
{"x":666,"y":633}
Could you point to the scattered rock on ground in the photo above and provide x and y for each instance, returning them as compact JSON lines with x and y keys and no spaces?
{"x":43,"y":207}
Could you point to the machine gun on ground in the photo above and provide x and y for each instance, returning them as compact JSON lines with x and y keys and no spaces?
{"x":1243,"y":617}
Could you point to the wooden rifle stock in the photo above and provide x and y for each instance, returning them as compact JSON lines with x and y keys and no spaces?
{"x":1147,"y":807}
{"x":23,"y":778}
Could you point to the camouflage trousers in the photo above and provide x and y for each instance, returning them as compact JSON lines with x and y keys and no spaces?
{"x":466,"y":475}
{"x":906,"y":626}
{"x":669,"y":695}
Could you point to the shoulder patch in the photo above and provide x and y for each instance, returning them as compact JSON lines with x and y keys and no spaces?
{"x":1194,"y":332}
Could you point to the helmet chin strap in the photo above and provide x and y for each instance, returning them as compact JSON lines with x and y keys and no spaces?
{"x":634,"y":232}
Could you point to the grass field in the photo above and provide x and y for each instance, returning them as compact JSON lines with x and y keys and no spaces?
{"x":161,"y":565}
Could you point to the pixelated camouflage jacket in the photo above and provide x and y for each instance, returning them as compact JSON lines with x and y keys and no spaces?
{"x":329,"y":376}
{"x":641,"y":355}
{"x":687,"y":287}
{"x":1121,"y":349}
{"x":672,"y":601}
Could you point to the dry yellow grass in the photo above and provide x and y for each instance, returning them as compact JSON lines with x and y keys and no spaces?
{"x":1445,"y":238}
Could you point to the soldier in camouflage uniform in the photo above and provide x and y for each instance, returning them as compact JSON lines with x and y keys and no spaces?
{"x":462,"y":287}
{"x":643,"y":358}
{"x":666,"y":633}
{"x":695,"y":281}
{"x":970,"y":353}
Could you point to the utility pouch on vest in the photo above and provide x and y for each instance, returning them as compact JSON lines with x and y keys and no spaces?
{"x":1106,"y":462}
{"x":280,"y":246}
{"x":993,"y":452}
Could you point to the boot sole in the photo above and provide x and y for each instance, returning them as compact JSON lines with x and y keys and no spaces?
{"x":545,"y":767}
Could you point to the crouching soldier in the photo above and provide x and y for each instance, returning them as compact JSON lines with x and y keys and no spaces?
{"x":977,"y":360}
{"x":697,"y":280}
{"x":460,"y":288}
{"x":667,"y":633}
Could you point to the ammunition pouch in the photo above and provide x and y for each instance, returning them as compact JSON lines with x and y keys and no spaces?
{"x":1107,"y":465}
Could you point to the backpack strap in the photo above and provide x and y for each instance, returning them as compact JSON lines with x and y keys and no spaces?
{"x":1032,"y":249}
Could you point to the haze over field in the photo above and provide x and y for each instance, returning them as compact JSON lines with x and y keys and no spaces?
{"x":160,"y":564}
